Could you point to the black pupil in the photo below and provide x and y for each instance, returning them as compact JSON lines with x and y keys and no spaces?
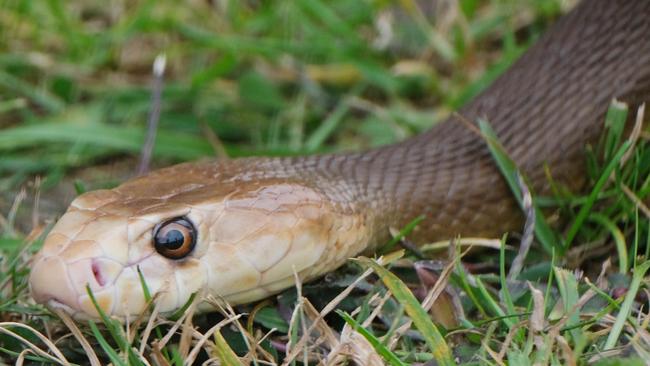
{"x":173,"y":239}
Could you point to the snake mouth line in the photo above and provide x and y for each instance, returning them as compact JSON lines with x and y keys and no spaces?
{"x":56,"y":304}
{"x":263,"y":287}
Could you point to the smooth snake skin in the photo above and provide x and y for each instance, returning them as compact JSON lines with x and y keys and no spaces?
{"x":260,"y":220}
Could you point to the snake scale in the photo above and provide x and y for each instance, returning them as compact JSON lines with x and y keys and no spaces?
{"x":240,"y":229}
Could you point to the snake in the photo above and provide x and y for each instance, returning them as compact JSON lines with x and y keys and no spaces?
{"x":244,"y":229}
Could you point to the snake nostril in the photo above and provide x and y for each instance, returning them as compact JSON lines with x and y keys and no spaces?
{"x":97,"y":273}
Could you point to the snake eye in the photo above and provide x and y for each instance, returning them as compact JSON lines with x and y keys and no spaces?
{"x":174,"y":238}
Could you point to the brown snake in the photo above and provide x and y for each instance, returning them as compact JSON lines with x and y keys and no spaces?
{"x":240,"y":229}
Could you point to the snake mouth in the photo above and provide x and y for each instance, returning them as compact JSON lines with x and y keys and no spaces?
{"x":62,"y":285}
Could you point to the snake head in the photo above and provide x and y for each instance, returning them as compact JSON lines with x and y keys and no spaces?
{"x":184,"y":230}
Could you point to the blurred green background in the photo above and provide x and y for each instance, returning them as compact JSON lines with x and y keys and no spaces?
{"x":251,"y":77}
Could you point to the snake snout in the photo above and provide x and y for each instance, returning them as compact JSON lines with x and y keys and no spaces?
{"x":56,"y":283}
{"x":67,"y":268}
{"x":49,"y":281}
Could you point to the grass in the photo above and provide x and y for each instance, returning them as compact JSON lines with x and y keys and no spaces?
{"x":309,"y":76}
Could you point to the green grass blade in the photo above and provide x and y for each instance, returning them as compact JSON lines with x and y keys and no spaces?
{"x":619,"y":240}
{"x":127,"y":139}
{"x":38,"y":95}
{"x":225,"y":354}
{"x":413,"y":308}
{"x":325,"y":14}
{"x":480,"y":84}
{"x":593,"y":196}
{"x":509,"y":171}
{"x":328,"y":126}
{"x":637,"y":231}
{"x":468,"y":288}
{"x":568,"y":286}
{"x":143,"y":283}
{"x":147,"y":297}
{"x":505,"y":291}
{"x":626,"y":307}
{"x":401,"y":235}
{"x":178,"y":313}
{"x":115,"y":330}
{"x":494,"y":306}
{"x":615,"y":125}
{"x":110,"y":352}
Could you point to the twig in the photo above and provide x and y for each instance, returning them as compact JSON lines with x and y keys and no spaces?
{"x":58,"y":355}
{"x":76,"y":332}
{"x":154,"y":114}
{"x":529,"y":229}
{"x":37,"y":201}
{"x":636,"y":200}
{"x":295,"y":349}
{"x":465,"y":242}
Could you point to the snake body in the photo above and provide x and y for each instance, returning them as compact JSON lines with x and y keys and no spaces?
{"x":258,"y":221}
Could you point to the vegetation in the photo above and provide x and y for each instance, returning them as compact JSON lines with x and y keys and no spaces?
{"x":309,"y":76}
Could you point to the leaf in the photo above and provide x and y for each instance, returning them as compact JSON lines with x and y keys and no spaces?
{"x":225,"y":354}
{"x":270,"y":318}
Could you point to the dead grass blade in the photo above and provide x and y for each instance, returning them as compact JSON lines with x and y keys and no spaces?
{"x":58,"y":355}
{"x":72,"y":326}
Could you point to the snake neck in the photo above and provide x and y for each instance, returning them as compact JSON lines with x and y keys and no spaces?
{"x":545,"y":109}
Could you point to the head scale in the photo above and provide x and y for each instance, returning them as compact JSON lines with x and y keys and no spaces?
{"x":188,"y":230}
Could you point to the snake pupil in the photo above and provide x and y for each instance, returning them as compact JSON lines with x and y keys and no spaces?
{"x":174,"y":238}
